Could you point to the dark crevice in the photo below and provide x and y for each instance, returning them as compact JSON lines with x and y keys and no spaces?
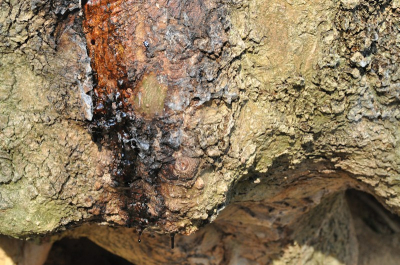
{"x":81,"y":252}
{"x":83,"y":2}
{"x":373,"y":214}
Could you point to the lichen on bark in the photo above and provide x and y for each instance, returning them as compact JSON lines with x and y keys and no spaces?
{"x":47,"y":158}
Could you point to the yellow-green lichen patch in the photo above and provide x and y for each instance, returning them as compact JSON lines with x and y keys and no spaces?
{"x":24,"y":216}
{"x":150,"y":97}
{"x":270,"y":152}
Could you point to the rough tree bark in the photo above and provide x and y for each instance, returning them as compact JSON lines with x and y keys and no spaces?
{"x":238,"y":123}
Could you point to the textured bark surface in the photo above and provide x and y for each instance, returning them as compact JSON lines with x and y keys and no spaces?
{"x":165,"y":116}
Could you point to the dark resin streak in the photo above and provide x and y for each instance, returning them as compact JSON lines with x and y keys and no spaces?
{"x":149,"y":70}
{"x":172,"y":241}
{"x":140,"y":234}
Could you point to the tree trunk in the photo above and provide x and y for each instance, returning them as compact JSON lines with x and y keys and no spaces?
{"x":161,"y":117}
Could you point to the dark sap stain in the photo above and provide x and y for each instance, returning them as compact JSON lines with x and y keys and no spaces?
{"x":172,"y":240}
{"x":148,"y":68}
{"x":139,"y":237}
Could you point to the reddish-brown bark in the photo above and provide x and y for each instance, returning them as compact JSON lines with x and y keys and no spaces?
{"x":153,"y":61}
